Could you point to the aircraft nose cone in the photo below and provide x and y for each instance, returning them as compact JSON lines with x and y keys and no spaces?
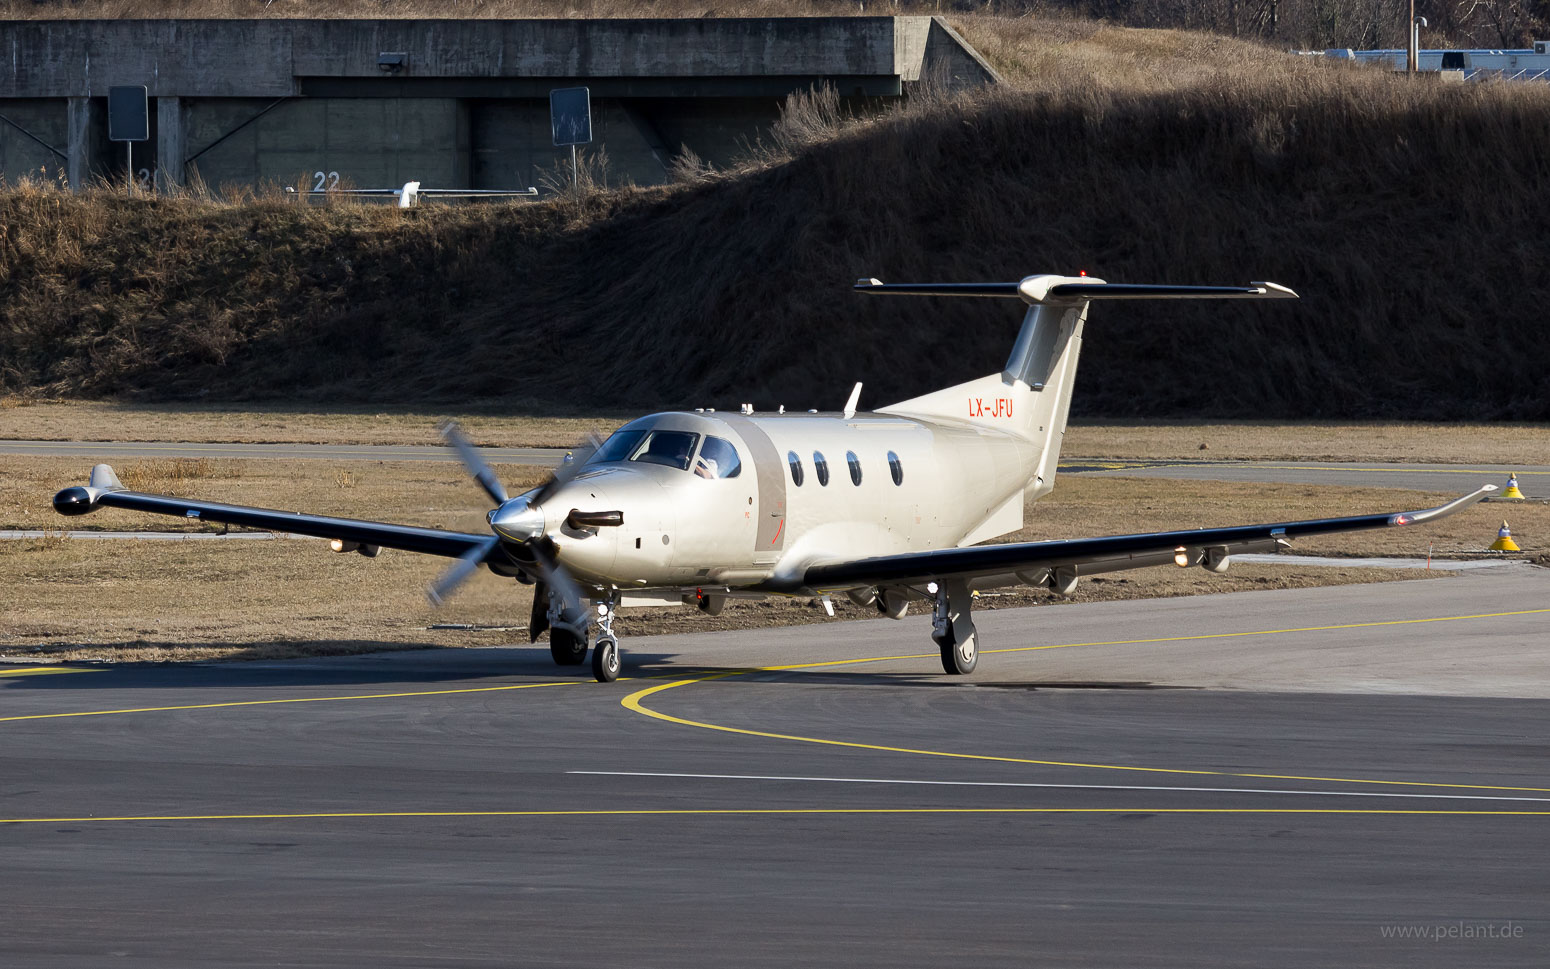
{"x":518,"y":520}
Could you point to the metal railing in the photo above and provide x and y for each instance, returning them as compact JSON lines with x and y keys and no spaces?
{"x":410,"y":195}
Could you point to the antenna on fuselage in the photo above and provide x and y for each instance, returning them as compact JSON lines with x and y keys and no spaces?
{"x":850,"y":405}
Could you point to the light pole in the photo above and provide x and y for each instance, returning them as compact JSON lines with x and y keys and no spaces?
{"x":1413,"y":59}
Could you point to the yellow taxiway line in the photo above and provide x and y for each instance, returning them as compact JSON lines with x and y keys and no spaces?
{"x":714,"y":812}
{"x":303,"y":699}
{"x":634,"y":702}
{"x":45,"y":670}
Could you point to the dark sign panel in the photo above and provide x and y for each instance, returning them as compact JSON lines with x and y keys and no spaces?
{"x":570,"y":115}
{"x":128,"y":119}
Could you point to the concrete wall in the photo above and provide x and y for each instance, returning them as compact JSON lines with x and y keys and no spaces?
{"x":369,"y":142}
{"x":263,"y":58}
{"x":25,"y":125}
{"x":245,"y":102}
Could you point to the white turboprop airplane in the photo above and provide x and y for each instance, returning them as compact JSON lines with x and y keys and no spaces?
{"x":886,"y":507}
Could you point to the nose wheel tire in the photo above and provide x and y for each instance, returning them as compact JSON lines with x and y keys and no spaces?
{"x":566,"y":647}
{"x":605,"y":660}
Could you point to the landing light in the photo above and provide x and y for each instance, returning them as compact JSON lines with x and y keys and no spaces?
{"x":1181,"y":557}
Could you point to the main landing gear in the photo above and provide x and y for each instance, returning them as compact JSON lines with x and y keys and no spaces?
{"x":952,"y":629}
{"x":569,"y":646}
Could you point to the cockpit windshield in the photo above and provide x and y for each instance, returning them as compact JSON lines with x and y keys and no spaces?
{"x":617,"y":448}
{"x":669,"y":448}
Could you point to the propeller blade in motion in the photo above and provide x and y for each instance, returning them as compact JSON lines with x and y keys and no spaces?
{"x":473,"y":462}
{"x":567,"y":469}
{"x":561,"y":584}
{"x":538,"y":617}
{"x":460,"y":570}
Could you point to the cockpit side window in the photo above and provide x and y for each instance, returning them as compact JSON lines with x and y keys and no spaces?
{"x":717,"y":459}
{"x":669,"y":448}
{"x":617,"y":447}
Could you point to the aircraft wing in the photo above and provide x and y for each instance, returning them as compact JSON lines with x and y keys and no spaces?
{"x":105,"y":491}
{"x":1090,"y":556}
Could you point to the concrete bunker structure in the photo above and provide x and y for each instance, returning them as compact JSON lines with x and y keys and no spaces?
{"x":449,"y":103}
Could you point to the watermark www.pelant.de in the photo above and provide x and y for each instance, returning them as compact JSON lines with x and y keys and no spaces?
{"x":1459,"y":931}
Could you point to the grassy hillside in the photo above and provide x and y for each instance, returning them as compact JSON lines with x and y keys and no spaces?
{"x":1410,"y":215}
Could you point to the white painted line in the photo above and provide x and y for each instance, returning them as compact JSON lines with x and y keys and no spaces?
{"x":145,"y":536}
{"x":1069,"y":787}
{"x":1438,"y":565}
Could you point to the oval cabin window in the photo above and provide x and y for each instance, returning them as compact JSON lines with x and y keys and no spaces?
{"x":796,"y":468}
{"x":821,"y":468}
{"x":855,"y":467}
{"x":895,"y":468}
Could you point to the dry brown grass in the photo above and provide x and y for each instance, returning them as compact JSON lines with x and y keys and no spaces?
{"x":414,"y":492}
{"x":440,"y":495}
{"x":1406,"y":441}
{"x":76,"y":420}
{"x":263,"y":598}
{"x":181,"y":601}
{"x":175,"y":476}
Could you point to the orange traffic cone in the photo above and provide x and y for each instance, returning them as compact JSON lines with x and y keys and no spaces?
{"x":1504,"y":542}
{"x":1512,"y":488}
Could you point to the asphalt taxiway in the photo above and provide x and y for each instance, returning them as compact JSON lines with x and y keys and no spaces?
{"x":1349,"y":775}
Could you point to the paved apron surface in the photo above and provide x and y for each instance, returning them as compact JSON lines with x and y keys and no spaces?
{"x":1289,"y":778}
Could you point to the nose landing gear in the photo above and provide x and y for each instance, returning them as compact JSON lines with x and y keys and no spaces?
{"x":605,"y":655}
{"x":569,"y":640}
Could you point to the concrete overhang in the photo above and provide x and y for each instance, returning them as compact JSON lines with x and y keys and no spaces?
{"x":734,"y":57}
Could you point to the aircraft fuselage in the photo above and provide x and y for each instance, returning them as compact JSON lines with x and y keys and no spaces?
{"x":807,"y":488}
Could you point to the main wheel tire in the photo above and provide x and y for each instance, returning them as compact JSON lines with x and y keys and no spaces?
{"x":566,"y":647}
{"x":959,"y":659}
{"x":605,"y":660}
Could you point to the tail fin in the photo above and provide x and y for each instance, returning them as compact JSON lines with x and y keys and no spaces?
{"x":1031,"y":397}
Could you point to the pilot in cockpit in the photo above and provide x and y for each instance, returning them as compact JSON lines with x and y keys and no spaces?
{"x":669,"y":449}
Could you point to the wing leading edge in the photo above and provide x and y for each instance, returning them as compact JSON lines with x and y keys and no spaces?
{"x":106,"y":491}
{"x":1108,"y":554}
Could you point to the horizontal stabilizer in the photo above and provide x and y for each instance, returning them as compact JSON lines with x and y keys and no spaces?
{"x":1002,"y":290}
{"x":1074,"y":289}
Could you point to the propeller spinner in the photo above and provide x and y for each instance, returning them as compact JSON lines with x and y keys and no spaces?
{"x":520,"y":521}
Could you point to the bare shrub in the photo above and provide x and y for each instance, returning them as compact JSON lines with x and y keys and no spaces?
{"x":807,"y":118}
{"x":175,"y":477}
{"x":687,"y":167}
{"x":588,"y":177}
{"x":50,"y":541}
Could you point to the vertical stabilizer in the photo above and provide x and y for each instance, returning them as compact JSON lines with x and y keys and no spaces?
{"x":1031,"y":397}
